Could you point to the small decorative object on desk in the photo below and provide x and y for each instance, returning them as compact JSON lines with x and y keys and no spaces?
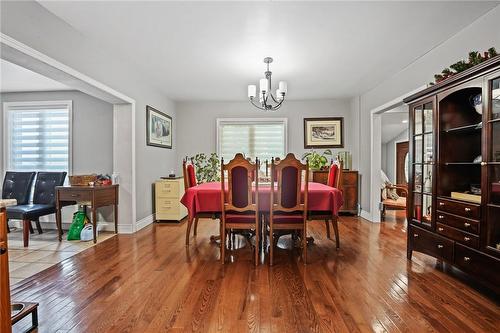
{"x":171,"y":174}
{"x":82,"y":180}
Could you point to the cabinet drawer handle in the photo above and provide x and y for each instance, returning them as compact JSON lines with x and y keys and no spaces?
{"x":440,"y":217}
{"x":466,"y":224}
{"x":415,"y":235}
{"x":466,"y":238}
{"x":74,"y":195}
{"x":440,"y":229}
{"x":466,"y":259}
{"x":440,"y":246}
{"x":441,"y":204}
{"x":467,"y":209}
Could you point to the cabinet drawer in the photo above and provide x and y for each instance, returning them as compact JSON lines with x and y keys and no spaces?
{"x":458,"y":222}
{"x":458,"y":235}
{"x":167,"y":189}
{"x":432,"y":244}
{"x":349,"y":178}
{"x":468,"y":210}
{"x":75,"y":195}
{"x":484,"y":266}
{"x":167,"y":205}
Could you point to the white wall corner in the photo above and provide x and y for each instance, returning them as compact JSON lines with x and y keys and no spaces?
{"x":367,"y":216}
{"x":144,"y":222}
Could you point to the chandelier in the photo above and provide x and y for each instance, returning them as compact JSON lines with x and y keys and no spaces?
{"x":267,"y":101}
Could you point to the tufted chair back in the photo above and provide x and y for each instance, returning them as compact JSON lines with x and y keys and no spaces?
{"x":45,"y":187}
{"x":17,"y":185}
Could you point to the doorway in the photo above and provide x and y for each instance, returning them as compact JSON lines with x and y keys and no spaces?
{"x":402,"y":149}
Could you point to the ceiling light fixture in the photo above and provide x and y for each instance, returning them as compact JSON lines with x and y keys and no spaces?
{"x":267,"y":101}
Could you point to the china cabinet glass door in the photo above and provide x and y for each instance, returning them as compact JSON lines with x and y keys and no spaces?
{"x":493,"y":164}
{"x":423,"y":162}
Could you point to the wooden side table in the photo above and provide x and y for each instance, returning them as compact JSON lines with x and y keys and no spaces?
{"x":95,"y":196}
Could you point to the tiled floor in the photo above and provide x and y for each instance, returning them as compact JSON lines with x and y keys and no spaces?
{"x":43,"y":252}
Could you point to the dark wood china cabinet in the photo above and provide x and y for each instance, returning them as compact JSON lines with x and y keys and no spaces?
{"x":454,"y":187}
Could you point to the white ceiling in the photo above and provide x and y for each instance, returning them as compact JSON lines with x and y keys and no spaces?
{"x":14,"y":78}
{"x":213,"y":50}
{"x":392,"y":123}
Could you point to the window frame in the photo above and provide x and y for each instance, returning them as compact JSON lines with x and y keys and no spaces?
{"x":239,"y":121}
{"x":9,"y":106}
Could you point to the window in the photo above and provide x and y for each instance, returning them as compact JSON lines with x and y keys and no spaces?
{"x":262,"y":138}
{"x":37,"y":136}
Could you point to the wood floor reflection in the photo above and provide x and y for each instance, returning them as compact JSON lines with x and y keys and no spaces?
{"x":150,"y":282}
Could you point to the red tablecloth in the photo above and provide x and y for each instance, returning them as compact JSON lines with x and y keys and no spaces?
{"x":206,"y":198}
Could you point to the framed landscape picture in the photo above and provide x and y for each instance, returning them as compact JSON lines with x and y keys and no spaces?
{"x":324,"y":132}
{"x":158,"y":128}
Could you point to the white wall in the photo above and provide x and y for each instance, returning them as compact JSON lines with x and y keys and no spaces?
{"x":33,"y":25}
{"x":196,"y":121}
{"x":389,"y":160}
{"x":92,"y":131}
{"x":480,"y":35}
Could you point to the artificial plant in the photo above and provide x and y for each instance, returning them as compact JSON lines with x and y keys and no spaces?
{"x":474,"y":58}
{"x":207,"y":167}
{"x":316,"y":160}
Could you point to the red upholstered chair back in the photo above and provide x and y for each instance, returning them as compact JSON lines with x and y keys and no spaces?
{"x":287,"y":197}
{"x":189,"y":173}
{"x":240,"y":175}
{"x":335,"y":174}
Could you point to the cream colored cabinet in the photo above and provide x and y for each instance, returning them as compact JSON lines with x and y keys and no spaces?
{"x":168,"y":194}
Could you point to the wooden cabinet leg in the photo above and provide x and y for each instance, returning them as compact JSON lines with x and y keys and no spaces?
{"x":26,"y":232}
{"x":58,"y":222}
{"x":94,"y":223}
{"x":116,"y":218}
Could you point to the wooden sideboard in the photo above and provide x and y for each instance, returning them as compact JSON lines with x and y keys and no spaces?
{"x":5,"y":321}
{"x":168,"y":194}
{"x":349,"y":188}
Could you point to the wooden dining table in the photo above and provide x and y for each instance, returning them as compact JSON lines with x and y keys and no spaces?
{"x":206,"y":198}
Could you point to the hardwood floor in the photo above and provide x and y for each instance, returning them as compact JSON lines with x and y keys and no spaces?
{"x":150,"y":282}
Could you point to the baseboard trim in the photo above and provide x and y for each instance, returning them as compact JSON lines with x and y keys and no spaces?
{"x":366,"y":215}
{"x":144,"y":222}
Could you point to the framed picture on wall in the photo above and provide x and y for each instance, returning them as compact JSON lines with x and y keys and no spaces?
{"x":324,"y":132}
{"x":158,"y":128}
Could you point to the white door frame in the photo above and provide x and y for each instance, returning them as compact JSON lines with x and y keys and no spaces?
{"x":123,"y":127}
{"x":376,"y":155}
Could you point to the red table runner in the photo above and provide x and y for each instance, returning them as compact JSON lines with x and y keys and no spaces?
{"x":205,"y":198}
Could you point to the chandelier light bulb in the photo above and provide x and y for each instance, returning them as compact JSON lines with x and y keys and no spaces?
{"x":252,"y":91}
{"x":263,"y":85}
{"x":283,"y":87}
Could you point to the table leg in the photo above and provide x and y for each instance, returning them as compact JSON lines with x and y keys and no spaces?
{"x":116,"y":218}
{"x":94,"y":223}
{"x":58,"y":222}
{"x":26,"y":232}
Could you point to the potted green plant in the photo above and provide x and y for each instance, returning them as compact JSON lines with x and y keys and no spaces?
{"x":316,"y":160}
{"x":207,"y":167}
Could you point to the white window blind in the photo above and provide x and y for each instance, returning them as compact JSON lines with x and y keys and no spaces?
{"x":262,"y":138}
{"x":38,"y":136}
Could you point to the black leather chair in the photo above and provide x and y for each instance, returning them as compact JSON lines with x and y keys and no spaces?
{"x":17,"y":185}
{"x":44,"y":201}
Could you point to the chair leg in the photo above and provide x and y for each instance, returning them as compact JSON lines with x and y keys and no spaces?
{"x":7,"y":223}
{"x":195,"y":226}
{"x":223,"y":246}
{"x":190,"y":221}
{"x":304,"y":246}
{"x":26,"y":232}
{"x":327,"y":225}
{"x":336,"y":230}
{"x":31,"y":228}
{"x":257,"y":243}
{"x":271,"y":245}
{"x":38,"y":226}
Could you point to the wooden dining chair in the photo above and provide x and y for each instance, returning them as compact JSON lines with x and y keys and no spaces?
{"x":189,"y":175}
{"x":334,"y":180}
{"x":288,"y":202}
{"x":240,"y":207}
